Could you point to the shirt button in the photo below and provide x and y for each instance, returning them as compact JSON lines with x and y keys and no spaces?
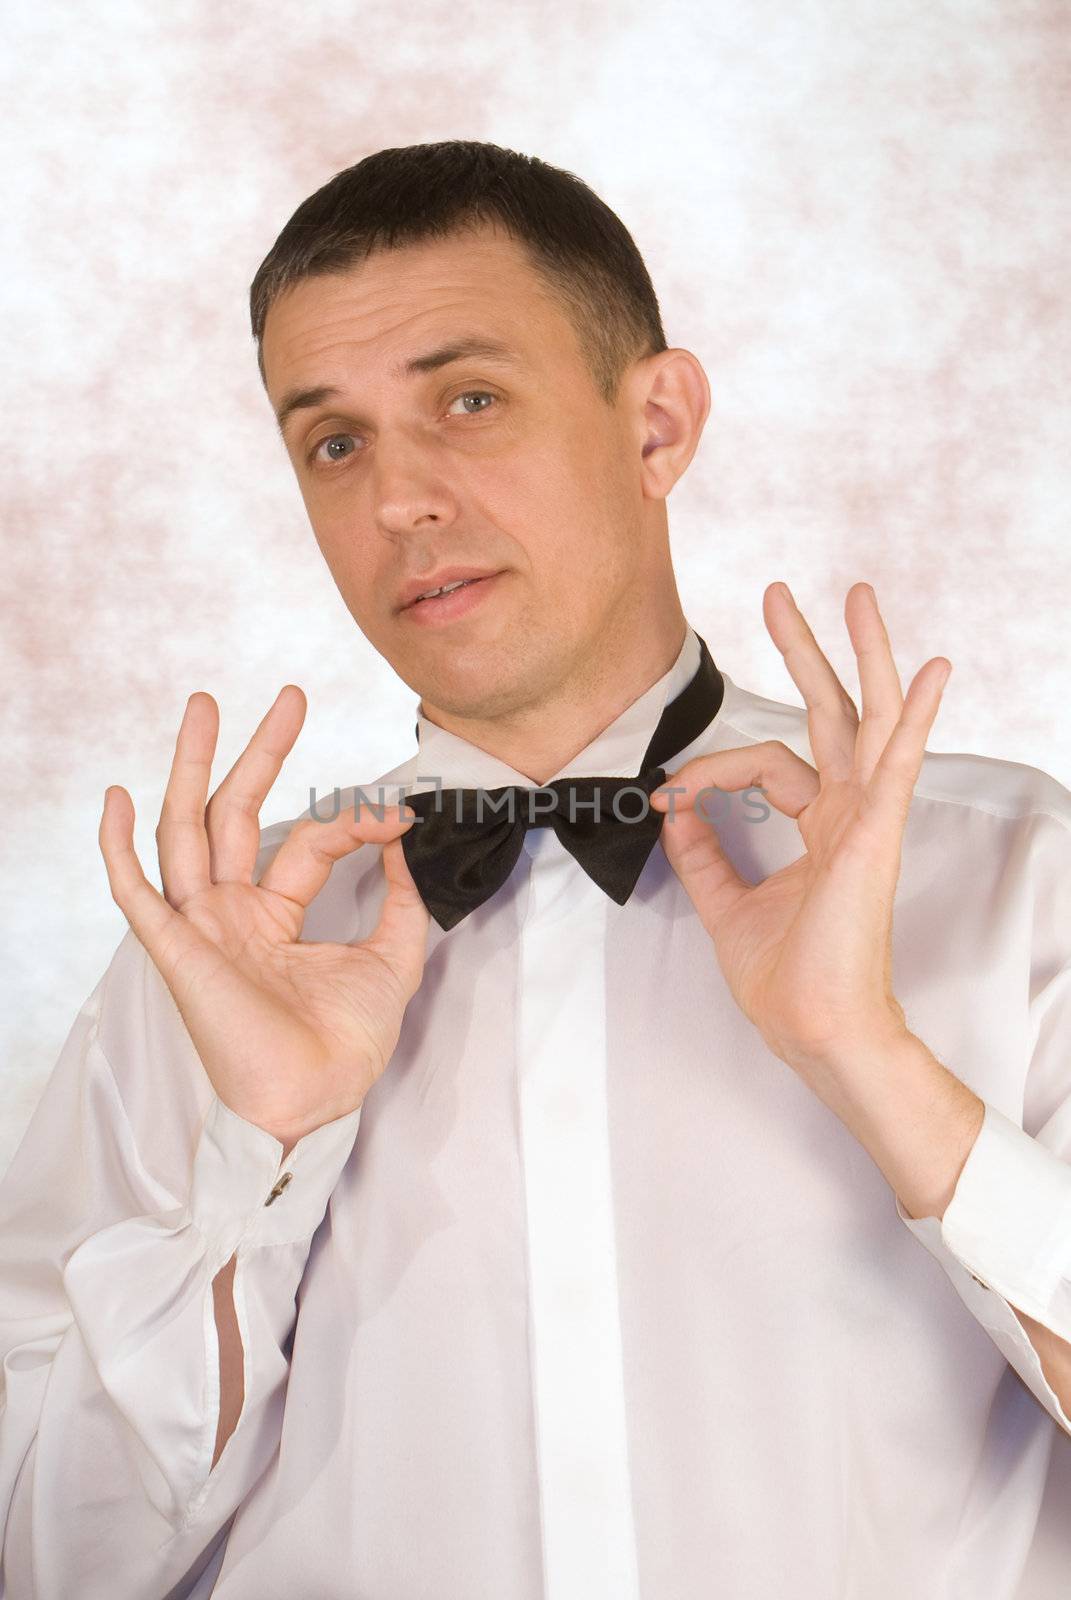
{"x":277,"y":1188}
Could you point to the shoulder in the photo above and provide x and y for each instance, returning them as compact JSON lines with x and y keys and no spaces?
{"x":956,"y":782}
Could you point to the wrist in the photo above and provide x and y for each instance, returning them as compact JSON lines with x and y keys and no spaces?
{"x":292,"y":1135}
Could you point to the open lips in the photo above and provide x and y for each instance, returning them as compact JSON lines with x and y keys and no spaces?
{"x":455,"y":594}
{"x":447,"y":588}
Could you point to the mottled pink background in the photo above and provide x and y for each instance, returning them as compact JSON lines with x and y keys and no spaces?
{"x":855,"y":213}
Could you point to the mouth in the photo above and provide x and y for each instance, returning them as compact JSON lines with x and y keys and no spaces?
{"x":455,"y":599}
{"x":447,"y":588}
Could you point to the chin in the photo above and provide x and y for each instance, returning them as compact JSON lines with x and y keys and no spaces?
{"x":474,"y":702}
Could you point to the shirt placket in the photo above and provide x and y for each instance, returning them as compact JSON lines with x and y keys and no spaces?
{"x":574,"y":1322}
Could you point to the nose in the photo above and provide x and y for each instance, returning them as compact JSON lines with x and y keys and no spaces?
{"x":410,"y":490}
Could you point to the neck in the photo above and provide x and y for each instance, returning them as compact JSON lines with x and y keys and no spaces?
{"x":540,"y":739}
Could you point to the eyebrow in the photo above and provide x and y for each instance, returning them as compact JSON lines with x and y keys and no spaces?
{"x":457,"y":350}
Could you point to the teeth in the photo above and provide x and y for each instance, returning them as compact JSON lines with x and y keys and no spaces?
{"x":446,"y":588}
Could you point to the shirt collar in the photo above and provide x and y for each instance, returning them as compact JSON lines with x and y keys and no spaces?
{"x":616,"y":752}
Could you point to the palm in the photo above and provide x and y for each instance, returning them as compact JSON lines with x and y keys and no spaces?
{"x":291,"y":1033}
{"x":774,"y":944}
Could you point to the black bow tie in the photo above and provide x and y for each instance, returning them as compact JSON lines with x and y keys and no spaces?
{"x":465,"y":842}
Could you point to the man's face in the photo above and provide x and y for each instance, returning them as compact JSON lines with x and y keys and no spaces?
{"x":509,"y":467}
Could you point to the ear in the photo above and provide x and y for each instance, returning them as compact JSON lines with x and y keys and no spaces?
{"x":671,"y":404}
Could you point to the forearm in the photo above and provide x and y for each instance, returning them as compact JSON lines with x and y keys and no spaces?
{"x":1054,"y":1354}
{"x":915,"y":1119}
{"x":112,"y":1398}
{"x":919,"y":1123}
{"x":105,"y":1446}
{"x":231,"y":1357}
{"x":231,"y":1349}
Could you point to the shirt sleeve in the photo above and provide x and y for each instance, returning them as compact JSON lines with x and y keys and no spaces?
{"x":1005,"y":1241}
{"x":133,"y":1185}
{"x":1005,"y":1237}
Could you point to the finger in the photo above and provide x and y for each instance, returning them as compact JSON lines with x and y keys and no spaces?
{"x":168,"y":937}
{"x":787,"y":781}
{"x":832,"y":720}
{"x":694,"y":851}
{"x":881,"y":696}
{"x":232,"y":816}
{"x":400,"y":935}
{"x":302,"y":864}
{"x":887,"y":798}
{"x":181,"y":841}
{"x":203,"y":983}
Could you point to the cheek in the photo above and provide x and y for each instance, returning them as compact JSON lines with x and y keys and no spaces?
{"x":518,"y":490}
{"x":574,"y":513}
{"x":561,"y":478}
{"x":337,"y":547}
{"x":350,"y":556}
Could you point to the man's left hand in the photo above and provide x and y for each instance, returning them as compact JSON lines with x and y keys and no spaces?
{"x":807,"y":953}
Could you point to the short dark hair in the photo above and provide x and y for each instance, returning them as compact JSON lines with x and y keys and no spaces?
{"x":579,"y":247}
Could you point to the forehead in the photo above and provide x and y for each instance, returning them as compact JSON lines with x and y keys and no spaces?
{"x":374,"y":317}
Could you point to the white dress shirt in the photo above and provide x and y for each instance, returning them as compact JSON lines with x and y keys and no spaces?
{"x":593,"y":1299}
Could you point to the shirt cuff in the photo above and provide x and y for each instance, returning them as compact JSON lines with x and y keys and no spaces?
{"x":1005,"y":1242}
{"x":243,"y":1192}
{"x":1009,"y":1219}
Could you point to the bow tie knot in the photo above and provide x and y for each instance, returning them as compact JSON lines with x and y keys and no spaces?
{"x":566,"y":801}
{"x":464,"y":843}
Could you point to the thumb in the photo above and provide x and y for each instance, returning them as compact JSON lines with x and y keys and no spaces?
{"x":693,"y":849}
{"x":400,"y":935}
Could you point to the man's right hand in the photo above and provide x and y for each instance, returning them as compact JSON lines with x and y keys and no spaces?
{"x":291,"y":1034}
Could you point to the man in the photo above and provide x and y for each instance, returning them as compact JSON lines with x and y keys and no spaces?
{"x":619,"y":1229}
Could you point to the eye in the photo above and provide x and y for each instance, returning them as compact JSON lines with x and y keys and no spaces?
{"x":331,"y":439}
{"x":473,"y":394}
